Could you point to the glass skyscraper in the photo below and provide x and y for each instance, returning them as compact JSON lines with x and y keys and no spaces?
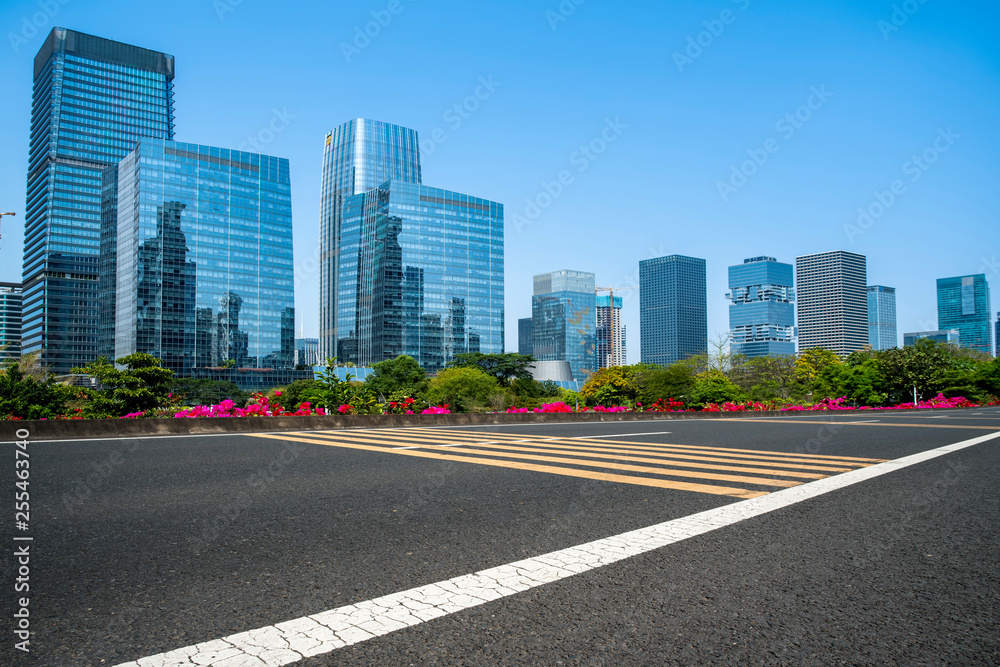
{"x":10,"y":321}
{"x":673,"y":309}
{"x":882,"y":317}
{"x":564,"y":320}
{"x":358,"y":156}
{"x":204,"y":261}
{"x":420,"y":273}
{"x":762,"y":312}
{"x":610,"y":332}
{"x":831,"y":290}
{"x":92,"y":100}
{"x":964,"y":303}
{"x":525,"y":336}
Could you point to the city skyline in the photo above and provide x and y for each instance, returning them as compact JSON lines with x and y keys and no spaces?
{"x":830,"y":185}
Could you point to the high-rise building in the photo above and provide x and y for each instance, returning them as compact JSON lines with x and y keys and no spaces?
{"x":951,"y":337}
{"x":996,"y":337}
{"x":610,"y":333}
{"x":525,"y":336}
{"x":204,"y":261}
{"x":92,"y":100}
{"x":964,"y":303}
{"x":564,"y":320}
{"x":10,"y":321}
{"x":762,"y":310}
{"x":359,"y":156}
{"x":832,"y":301}
{"x":673,"y":309}
{"x":882,"y":317}
{"x":307,"y":352}
{"x":420,"y":273}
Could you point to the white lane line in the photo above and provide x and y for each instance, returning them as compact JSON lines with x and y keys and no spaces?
{"x":291,"y":641}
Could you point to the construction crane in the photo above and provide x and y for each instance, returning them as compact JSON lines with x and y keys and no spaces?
{"x":1,"y":218}
{"x":611,"y":301}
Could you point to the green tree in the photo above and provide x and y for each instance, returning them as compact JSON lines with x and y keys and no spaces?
{"x":201,"y":391}
{"x":503,"y":367}
{"x":764,"y":378}
{"x":461,"y":387}
{"x":25,"y":397}
{"x":713,"y":386}
{"x":295,"y":394}
{"x":402,"y":375}
{"x":923,"y":366}
{"x":142,"y":385}
{"x":611,"y":386}
{"x":987,"y":378}
{"x":655,"y":382}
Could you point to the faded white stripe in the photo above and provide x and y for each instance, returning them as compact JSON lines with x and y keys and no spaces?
{"x":291,"y":641}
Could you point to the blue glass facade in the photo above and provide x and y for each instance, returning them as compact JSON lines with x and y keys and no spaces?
{"x":882,"y":317}
{"x":673,"y":309}
{"x":358,"y":156}
{"x":564,"y":320}
{"x":525,"y":336}
{"x":762,"y":312}
{"x":420,"y":273}
{"x":204,"y":261}
{"x":92,"y":100}
{"x":964,"y":303}
{"x":10,"y":321}
{"x":950,"y":337}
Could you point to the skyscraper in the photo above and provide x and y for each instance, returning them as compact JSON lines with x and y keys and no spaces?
{"x":564,"y":320}
{"x":204,"y":260}
{"x":92,"y":100}
{"x":964,"y":303}
{"x":832,"y":301}
{"x":882,"y":317}
{"x":762,"y":312}
{"x":610,"y":332}
{"x":673,"y":309}
{"x":10,"y":321}
{"x":359,"y":156}
{"x":525,"y":336}
{"x":420,"y":273}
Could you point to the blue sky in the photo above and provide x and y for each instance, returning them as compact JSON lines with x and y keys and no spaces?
{"x":833,"y":99}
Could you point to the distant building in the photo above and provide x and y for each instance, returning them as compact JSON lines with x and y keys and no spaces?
{"x":996,"y":337}
{"x":204,"y":261}
{"x":964,"y":304}
{"x":673,"y":309}
{"x":832,"y":301}
{"x":950,"y":337}
{"x":762,"y":308}
{"x":10,"y":321}
{"x":610,"y":333}
{"x":93,"y":99}
{"x":525,"y":336}
{"x":882,"y":317}
{"x":563,"y":317}
{"x":307,"y":352}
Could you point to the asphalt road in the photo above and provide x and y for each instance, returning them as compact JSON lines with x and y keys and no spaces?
{"x":144,"y":546}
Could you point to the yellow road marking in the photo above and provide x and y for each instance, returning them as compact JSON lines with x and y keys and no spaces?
{"x":842,"y":423}
{"x":568,"y":472}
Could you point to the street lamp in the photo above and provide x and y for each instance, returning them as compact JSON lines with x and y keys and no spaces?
{"x":1,"y":218}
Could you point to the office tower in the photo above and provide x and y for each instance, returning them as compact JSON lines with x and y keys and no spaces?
{"x":420,"y":273}
{"x":996,"y":336}
{"x":92,"y":100}
{"x":762,"y":312}
{"x":564,"y":320}
{"x":964,"y":303}
{"x":205,"y":275}
{"x":832,"y":301}
{"x":307,"y":352}
{"x":610,"y":332}
{"x":10,"y":321}
{"x":951,"y":337}
{"x":525,"y":336}
{"x":882,"y":317}
{"x":673,"y":309}
{"x":359,"y":156}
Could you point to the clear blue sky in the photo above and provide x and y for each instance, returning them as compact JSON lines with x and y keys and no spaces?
{"x":888,"y":92}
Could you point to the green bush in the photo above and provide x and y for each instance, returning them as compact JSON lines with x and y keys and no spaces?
{"x":464,"y":388}
{"x":24,"y":397}
{"x":143,"y":385}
